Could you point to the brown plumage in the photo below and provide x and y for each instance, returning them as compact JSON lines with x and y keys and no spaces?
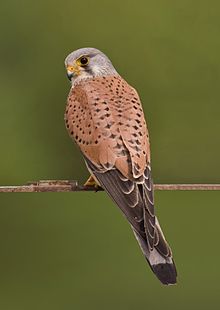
{"x":104,"y":116}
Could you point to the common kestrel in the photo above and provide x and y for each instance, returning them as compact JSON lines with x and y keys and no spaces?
{"x":104,"y":116}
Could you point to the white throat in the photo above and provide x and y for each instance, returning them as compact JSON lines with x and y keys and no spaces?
{"x":97,"y":71}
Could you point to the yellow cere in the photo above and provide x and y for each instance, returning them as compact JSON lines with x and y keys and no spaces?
{"x":74,"y":68}
{"x":70,"y":68}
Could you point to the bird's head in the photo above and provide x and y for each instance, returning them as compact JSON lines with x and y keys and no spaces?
{"x":87,"y":63}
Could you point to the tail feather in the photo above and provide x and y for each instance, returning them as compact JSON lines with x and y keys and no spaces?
{"x":166,"y":273}
{"x":162,"y":266}
{"x":135,"y":199}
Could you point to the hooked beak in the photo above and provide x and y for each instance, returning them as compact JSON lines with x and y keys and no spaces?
{"x":72,"y":70}
{"x":69,"y":75}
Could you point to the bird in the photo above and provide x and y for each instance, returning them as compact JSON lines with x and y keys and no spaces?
{"x":105,"y":118}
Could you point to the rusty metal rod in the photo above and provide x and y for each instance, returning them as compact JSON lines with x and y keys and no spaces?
{"x":73,"y":186}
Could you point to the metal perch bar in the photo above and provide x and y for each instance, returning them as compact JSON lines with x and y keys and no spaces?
{"x":73,"y":186}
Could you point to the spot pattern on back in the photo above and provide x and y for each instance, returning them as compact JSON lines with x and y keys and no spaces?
{"x":105,"y":117}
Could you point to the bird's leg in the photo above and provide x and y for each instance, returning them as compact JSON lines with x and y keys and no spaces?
{"x":92,"y":182}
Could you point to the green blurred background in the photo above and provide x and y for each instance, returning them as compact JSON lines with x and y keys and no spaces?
{"x":75,"y":250}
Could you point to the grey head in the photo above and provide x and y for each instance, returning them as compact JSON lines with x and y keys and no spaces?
{"x":87,"y":63}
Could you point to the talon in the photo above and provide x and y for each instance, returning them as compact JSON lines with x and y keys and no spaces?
{"x":91,"y":182}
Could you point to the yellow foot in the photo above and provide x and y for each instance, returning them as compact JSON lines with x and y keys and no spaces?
{"x":92,"y":182}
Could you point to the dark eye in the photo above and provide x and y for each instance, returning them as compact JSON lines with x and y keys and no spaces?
{"x":84,"y":60}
